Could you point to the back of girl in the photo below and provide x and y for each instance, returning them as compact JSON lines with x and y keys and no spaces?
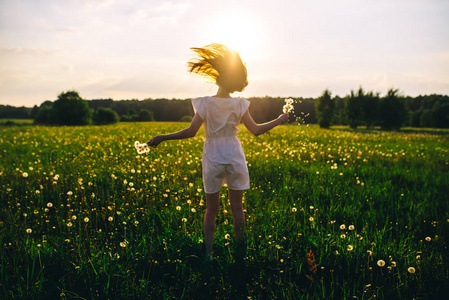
{"x":223,"y":161}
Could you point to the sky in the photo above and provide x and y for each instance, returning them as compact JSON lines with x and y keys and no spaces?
{"x":131,"y":49}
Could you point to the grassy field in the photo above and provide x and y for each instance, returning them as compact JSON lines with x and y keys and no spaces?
{"x":331,"y":214}
{"x":11,"y":122}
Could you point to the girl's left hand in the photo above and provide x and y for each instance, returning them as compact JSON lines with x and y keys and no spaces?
{"x":156,"y":140}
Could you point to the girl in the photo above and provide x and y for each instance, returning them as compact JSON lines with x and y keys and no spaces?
{"x":223,"y":158}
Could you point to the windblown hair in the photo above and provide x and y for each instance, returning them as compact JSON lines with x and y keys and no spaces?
{"x":220,"y":65}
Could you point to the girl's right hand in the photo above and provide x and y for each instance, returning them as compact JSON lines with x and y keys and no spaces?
{"x":156,"y":140}
{"x":283,"y":118}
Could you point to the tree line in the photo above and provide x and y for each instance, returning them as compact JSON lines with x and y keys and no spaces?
{"x":358,"y":108}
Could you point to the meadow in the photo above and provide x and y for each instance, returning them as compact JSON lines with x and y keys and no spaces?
{"x":331,"y":214}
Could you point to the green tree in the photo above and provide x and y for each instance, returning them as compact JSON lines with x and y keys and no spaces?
{"x":104,"y":116}
{"x":146,"y":115}
{"x":44,"y":115}
{"x":370,"y":109}
{"x":427,"y":118}
{"x":353,"y":108}
{"x":440,"y":115}
{"x":392,"y":112}
{"x":325,"y":107}
{"x":70,"y":109}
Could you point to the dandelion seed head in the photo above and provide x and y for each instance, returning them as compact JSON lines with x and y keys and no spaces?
{"x":49,"y":204}
{"x":294,"y":209}
{"x":381,"y":263}
{"x":351,"y":227}
{"x":86,"y":219}
{"x":342,"y":226}
{"x":29,"y":230}
{"x":411,"y":270}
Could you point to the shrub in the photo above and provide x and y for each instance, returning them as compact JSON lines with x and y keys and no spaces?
{"x":105,"y":116}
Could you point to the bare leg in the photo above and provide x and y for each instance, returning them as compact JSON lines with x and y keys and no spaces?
{"x":235,"y":198}
{"x":212,"y":204}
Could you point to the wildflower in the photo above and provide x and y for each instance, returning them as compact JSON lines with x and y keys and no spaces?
{"x":411,"y":270}
{"x":418,"y":257}
{"x":369,"y":252}
{"x":428,"y":239}
{"x":69,"y":193}
{"x":393,"y":264}
{"x":110,"y":219}
{"x":193,"y":210}
{"x":278,"y":247}
{"x":29,"y":230}
{"x":311,"y":207}
{"x":69,"y":224}
{"x":349,"y":247}
{"x":25,"y":174}
{"x":131,"y":184}
{"x":381,"y":263}
{"x":73,"y":217}
{"x":178,"y":207}
{"x":227,"y":236}
{"x":86,"y":219}
{"x":343,"y":236}
{"x":38,"y":192}
{"x":288,"y":106}
{"x":342,"y":226}
{"x":122,"y":244}
{"x":311,"y":219}
{"x":136,"y":222}
{"x":294,"y":209}
{"x":49,"y":204}
{"x":351,"y":227}
{"x":184,"y":220}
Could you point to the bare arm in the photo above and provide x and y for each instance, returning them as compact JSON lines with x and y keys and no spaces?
{"x":258,"y":129}
{"x":182,"y":134}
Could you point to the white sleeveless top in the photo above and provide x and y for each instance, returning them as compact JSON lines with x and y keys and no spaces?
{"x":223,"y":157}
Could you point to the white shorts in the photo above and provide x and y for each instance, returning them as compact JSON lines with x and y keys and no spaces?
{"x":234,"y":175}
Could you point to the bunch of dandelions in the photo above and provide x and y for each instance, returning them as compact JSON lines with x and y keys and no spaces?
{"x":288,"y":106}
{"x":141,"y":148}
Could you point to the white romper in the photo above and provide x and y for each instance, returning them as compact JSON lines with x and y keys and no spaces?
{"x":224,"y":161}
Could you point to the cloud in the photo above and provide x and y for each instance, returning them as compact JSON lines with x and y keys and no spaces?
{"x":28,"y":51}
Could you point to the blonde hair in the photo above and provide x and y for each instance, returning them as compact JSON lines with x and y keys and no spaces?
{"x":220,"y":65}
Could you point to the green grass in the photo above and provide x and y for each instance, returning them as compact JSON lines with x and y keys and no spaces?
{"x":11,"y":122}
{"x":84,"y":216}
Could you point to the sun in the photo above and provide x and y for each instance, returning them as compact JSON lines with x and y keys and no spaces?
{"x":237,"y":30}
